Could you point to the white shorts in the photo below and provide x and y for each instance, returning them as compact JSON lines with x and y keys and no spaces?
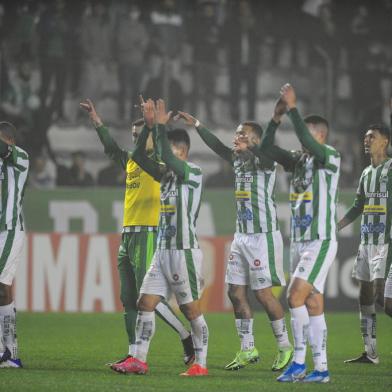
{"x":175,"y":271}
{"x":388,"y":284}
{"x":256,"y":260}
{"x":311,"y":260}
{"x":11,"y":245}
{"x":371,"y":262}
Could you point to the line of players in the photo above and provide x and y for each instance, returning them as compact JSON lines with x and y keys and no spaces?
{"x":256,"y":254}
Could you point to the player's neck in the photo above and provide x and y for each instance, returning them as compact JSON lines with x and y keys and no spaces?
{"x":377,"y":158}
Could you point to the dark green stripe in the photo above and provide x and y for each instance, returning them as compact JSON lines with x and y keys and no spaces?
{"x":267,"y":197}
{"x":377,"y":202}
{"x":328,"y":178}
{"x":315,"y":203}
{"x":4,"y":196}
{"x":369,"y":179}
{"x":191,"y":274}
{"x":319,"y":261}
{"x":16,"y":192}
{"x":179,"y":239}
{"x":7,"y":249}
{"x":255,"y":203}
{"x":190,"y":203}
{"x":388,"y":261}
{"x":151,"y":246}
{"x":271,"y":260}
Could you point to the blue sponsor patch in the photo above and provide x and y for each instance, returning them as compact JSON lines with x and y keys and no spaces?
{"x":302,"y":222}
{"x":245,"y":215}
{"x":168,"y":231}
{"x":371,"y":228}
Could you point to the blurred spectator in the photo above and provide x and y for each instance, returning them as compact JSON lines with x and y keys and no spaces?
{"x":243,"y":43}
{"x":131,"y":39}
{"x":43,"y":173}
{"x":76,"y":175}
{"x":96,"y":43}
{"x":111,"y":175}
{"x":205,"y":35}
{"x":53,"y":51}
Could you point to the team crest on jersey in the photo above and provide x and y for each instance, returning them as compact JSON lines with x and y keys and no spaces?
{"x":257,"y":263}
{"x":175,"y":277}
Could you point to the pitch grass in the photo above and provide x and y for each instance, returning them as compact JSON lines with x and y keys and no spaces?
{"x":67,"y":352}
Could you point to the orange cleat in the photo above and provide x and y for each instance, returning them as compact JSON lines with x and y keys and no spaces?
{"x":195,"y":370}
{"x":131,"y":366}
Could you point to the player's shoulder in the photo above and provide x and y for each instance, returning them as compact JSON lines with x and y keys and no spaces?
{"x":193,"y":168}
{"x":332,"y":150}
{"x":21,"y":153}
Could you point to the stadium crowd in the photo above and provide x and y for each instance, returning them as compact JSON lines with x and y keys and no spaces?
{"x":220,"y":59}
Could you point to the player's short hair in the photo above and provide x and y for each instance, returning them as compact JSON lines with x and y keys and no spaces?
{"x":138,"y":123}
{"x":8,"y":130}
{"x":256,"y":127}
{"x":381,"y":129}
{"x":178,"y":136}
{"x":316,"y":120}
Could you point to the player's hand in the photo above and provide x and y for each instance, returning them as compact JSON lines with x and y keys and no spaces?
{"x":148,"y":110}
{"x":288,"y":95}
{"x":88,"y":106}
{"x":279,"y":110}
{"x":161,"y":116}
{"x":189,"y":120}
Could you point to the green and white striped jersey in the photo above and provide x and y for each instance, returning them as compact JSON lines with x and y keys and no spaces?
{"x":255,"y":196}
{"x":313,"y":197}
{"x":180,"y":204}
{"x":374,"y":196}
{"x":13,"y":176}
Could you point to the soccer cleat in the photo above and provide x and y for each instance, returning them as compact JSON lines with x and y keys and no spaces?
{"x":295,"y":372}
{"x":364,"y":358}
{"x":317,"y":377}
{"x":189,"y":351}
{"x":131,"y":366}
{"x":283,"y":357}
{"x":243,"y":358}
{"x":117,"y":362}
{"x":5,"y":356}
{"x":12,"y":363}
{"x":195,"y":370}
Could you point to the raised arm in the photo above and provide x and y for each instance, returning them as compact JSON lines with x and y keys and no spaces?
{"x":111,"y":148}
{"x":356,"y":209}
{"x":208,"y":137}
{"x":307,"y":140}
{"x":267,"y":147}
{"x":150,"y":166}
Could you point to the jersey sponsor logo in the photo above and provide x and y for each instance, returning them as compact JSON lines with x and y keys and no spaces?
{"x":133,"y":185}
{"x":302,"y":222}
{"x":246,"y":179}
{"x":245,"y":215}
{"x":167,"y":194}
{"x":168,"y":209}
{"x":372,"y":209}
{"x":175,"y":277}
{"x":305,"y":197}
{"x":134,"y":174}
{"x":242,"y":195}
{"x":377,"y":195}
{"x":370,"y":228}
{"x":257,"y":263}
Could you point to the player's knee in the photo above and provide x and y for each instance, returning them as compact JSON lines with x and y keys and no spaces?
{"x":5,"y":294}
{"x":144,"y":305}
{"x":190,"y":312}
{"x":235,"y":295}
{"x":295,"y":299}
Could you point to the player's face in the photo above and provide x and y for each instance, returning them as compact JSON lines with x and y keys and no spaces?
{"x":318,"y":131}
{"x":135,"y":134}
{"x":374,"y":142}
{"x":244,"y":138}
{"x":180,"y":151}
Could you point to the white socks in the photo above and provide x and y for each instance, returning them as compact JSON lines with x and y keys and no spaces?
{"x":245,"y":333}
{"x":8,"y":328}
{"x":200,"y":340}
{"x":300,"y":329}
{"x":280,"y":332}
{"x":318,"y":341}
{"x":145,"y":329}
{"x":368,"y":328}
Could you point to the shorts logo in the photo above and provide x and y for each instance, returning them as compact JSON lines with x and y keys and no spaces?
{"x":261,"y":280}
{"x":231,"y":257}
{"x":257,"y":263}
{"x":301,"y":269}
{"x":182,"y":294}
{"x":175,"y":277}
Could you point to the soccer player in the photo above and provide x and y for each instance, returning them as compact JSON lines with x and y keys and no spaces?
{"x":256,"y":255}
{"x":313,"y":197}
{"x":374,"y":202}
{"x":14,"y":167}
{"x":177,"y":262}
{"x":138,"y":242}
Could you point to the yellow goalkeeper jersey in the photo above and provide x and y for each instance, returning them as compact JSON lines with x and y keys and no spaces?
{"x":142,"y":197}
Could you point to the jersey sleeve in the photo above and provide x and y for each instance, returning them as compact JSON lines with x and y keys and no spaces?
{"x":356,"y":208}
{"x":193,"y":175}
{"x":332,"y":159}
{"x":111,"y":148}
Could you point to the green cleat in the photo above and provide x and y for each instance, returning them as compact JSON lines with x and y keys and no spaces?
{"x":243,"y":358}
{"x":283,"y":357}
